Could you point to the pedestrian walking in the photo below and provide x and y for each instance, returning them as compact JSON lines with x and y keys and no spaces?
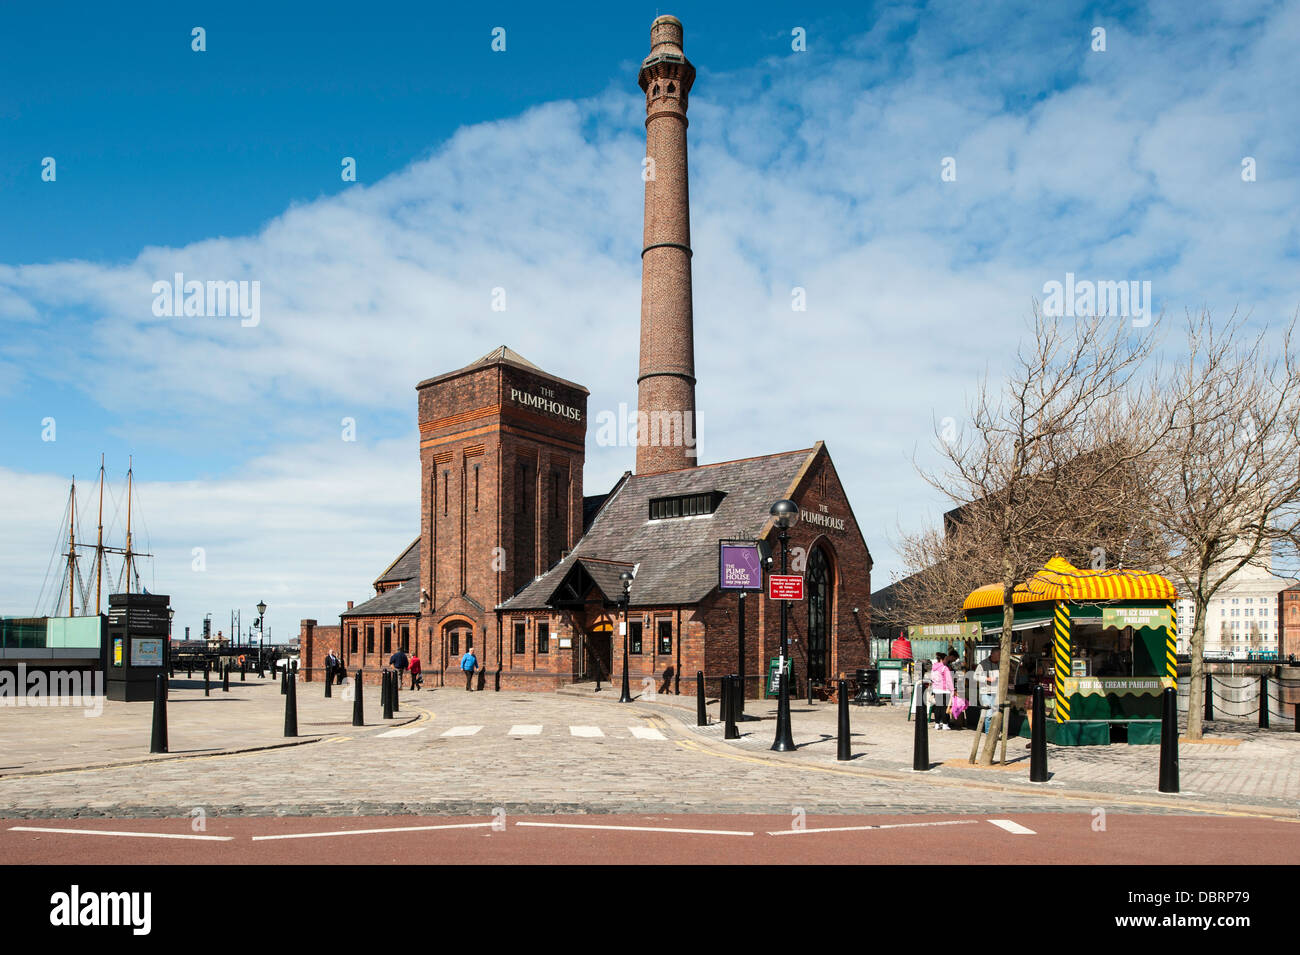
{"x":331,"y":665}
{"x":399,"y":662}
{"x":417,"y":680}
{"x":941,"y":689}
{"x":469,"y":663}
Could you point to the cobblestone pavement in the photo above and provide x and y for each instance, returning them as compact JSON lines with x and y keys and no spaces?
{"x":249,"y":716}
{"x":547,"y":753}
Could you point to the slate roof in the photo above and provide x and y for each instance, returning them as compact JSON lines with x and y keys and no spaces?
{"x":406,"y":567}
{"x":678,"y":557}
{"x":399,"y":600}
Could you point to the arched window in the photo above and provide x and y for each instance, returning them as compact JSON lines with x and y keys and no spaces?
{"x":819,"y":610}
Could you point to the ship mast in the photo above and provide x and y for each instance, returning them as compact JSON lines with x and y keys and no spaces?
{"x":72,"y":547}
{"x":128,"y":566}
{"x":99,"y":543}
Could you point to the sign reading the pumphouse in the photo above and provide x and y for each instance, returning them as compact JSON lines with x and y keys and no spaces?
{"x":1120,"y":617}
{"x":740,"y":567}
{"x":546,"y":403}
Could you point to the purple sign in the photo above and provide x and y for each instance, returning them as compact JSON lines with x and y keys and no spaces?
{"x":740,"y":567}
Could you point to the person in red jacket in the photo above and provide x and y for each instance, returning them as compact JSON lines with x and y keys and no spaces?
{"x":417,"y":681}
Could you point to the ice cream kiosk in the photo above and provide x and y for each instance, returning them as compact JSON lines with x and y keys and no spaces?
{"x":1100,"y":642}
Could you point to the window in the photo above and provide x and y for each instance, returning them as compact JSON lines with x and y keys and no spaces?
{"x":520,"y":637}
{"x":353,"y":644}
{"x":665,"y":637}
{"x":406,"y":638}
{"x":476,"y":487}
{"x":370,"y":638}
{"x":555,"y":493}
{"x":543,"y":637}
{"x":685,"y":505}
{"x":634,"y":637}
{"x":453,"y":642}
{"x":388,"y":639}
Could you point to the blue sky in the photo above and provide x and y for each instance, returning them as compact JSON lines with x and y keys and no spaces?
{"x":520,"y":170}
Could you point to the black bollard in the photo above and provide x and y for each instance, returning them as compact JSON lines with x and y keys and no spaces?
{"x":843,"y":751}
{"x":329,"y":682}
{"x":189,"y":671}
{"x":158,"y":739}
{"x":357,"y":712}
{"x":921,"y":741}
{"x":724,"y":703}
{"x":284,"y":681}
{"x":730,"y":731}
{"x":1169,"y":743}
{"x":225,"y":678}
{"x":291,"y":707}
{"x":388,"y":695}
{"x":701,"y":714}
{"x":1263,"y":701}
{"x":207,"y":689}
{"x":737,"y":698}
{"x":243,"y":671}
{"x":1038,"y":743}
{"x":1209,"y":696}
{"x":395,"y":691}
{"x":1295,"y":716}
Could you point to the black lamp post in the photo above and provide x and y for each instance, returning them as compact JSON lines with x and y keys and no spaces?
{"x":626,"y":578}
{"x":784,"y":513}
{"x":261,"y":630}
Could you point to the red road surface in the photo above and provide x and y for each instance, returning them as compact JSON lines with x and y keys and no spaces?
{"x":641,"y":840}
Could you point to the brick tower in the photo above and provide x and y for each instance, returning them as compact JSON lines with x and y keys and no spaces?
{"x":502,"y":445}
{"x":666,"y":382}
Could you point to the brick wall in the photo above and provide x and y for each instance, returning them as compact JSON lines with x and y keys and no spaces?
{"x":314,"y":642}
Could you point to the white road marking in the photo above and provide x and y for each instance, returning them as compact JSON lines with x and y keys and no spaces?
{"x":698,"y":832}
{"x":1015,"y":828}
{"x":462,"y":731}
{"x":525,"y":730}
{"x":403,"y":731}
{"x":892,"y":825}
{"x":109,"y":832}
{"x":368,"y":832}
{"x":646,"y":732}
{"x":585,"y":731}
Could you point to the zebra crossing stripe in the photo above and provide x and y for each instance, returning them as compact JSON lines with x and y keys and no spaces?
{"x":1015,"y":828}
{"x":646,"y":732}
{"x":403,"y":731}
{"x":462,"y":731}
{"x":585,"y":731}
{"x":525,"y":730}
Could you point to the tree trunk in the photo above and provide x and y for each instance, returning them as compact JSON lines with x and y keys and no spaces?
{"x":1196,"y":686}
{"x":1004,"y":669}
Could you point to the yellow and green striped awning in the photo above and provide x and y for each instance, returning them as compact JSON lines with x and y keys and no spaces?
{"x":1061,"y":580}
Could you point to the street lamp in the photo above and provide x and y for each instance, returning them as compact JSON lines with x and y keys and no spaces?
{"x":261,"y":631}
{"x":784,"y":513}
{"x":626,"y":577}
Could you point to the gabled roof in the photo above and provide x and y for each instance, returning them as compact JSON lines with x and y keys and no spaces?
{"x":405,"y":567}
{"x":400,"y":600}
{"x":678,"y":557}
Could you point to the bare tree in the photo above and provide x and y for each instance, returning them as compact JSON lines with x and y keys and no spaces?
{"x":1046,"y":461}
{"x":1224,"y":486}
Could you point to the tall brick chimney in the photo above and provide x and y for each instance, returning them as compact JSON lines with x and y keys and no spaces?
{"x":666,"y":382}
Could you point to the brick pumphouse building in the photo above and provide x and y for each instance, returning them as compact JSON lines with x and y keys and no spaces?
{"x":513,"y":561}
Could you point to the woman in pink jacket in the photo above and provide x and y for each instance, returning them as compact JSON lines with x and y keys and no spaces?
{"x":941,"y":688}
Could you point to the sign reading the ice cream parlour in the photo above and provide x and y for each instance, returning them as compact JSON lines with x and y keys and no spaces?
{"x":1121,"y":617}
